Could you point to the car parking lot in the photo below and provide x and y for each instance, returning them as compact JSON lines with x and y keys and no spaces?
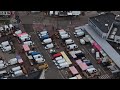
{"x":52,"y":27}
{"x":52,"y":68}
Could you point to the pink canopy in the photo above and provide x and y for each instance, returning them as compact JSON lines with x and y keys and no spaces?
{"x":83,"y":66}
{"x":78,"y":61}
{"x":73,"y":70}
{"x":19,"y":35}
{"x":61,"y":30}
{"x":97,"y":46}
{"x":26,"y":48}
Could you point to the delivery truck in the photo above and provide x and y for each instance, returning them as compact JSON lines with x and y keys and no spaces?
{"x":46,"y":41}
{"x":18,"y":73}
{"x":65,"y":36}
{"x":49,"y":46}
{"x":14,"y":69}
{"x":72,"y":46}
{"x":63,"y":65}
{"x":5,"y":46}
{"x":82,"y":41}
{"x":13,"y":61}
{"x":69,"y":41}
{"x":59,"y":61}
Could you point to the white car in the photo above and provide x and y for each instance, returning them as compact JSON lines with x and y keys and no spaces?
{"x":49,"y":46}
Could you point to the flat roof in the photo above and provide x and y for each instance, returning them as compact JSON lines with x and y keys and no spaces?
{"x":111,"y":52}
{"x":101,"y":20}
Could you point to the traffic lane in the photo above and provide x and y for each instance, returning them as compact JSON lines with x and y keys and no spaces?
{"x":88,"y":55}
{"x":53,"y":72}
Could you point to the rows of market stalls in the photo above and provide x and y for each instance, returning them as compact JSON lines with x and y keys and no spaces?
{"x":97,"y":52}
{"x":26,"y":59}
{"x":71,"y":57}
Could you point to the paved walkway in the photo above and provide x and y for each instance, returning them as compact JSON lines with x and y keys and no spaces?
{"x":105,"y":45}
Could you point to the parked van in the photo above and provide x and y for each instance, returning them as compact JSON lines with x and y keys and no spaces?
{"x":72,"y":46}
{"x":92,"y":70}
{"x":2,"y":66}
{"x":62,"y":32}
{"x":48,"y":46}
{"x":3,"y":72}
{"x":11,"y":26}
{"x":5,"y":43}
{"x":13,"y":61}
{"x":78,"y":32}
{"x":82,"y":41}
{"x":46,"y":41}
{"x":6,"y":49}
{"x":42,"y":37}
{"x":28,"y":43}
{"x":6,"y":27}
{"x":63,"y":65}
{"x":58,"y":58}
{"x":65,"y":36}
{"x":43,"y":32}
{"x":18,"y":73}
{"x":17,"y":32}
{"x":40,"y":60}
{"x":1,"y":29}
{"x":24,"y":38}
{"x":69,"y":41}
{"x":1,"y":62}
{"x":97,"y":55}
{"x":60,"y":61}
{"x":16,"y":68}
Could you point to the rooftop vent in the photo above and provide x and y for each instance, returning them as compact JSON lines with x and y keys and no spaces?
{"x":117,"y":18}
{"x":106,"y":25}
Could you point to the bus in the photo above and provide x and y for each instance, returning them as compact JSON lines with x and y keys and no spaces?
{"x":66,"y":57}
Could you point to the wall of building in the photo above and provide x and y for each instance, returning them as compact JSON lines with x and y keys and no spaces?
{"x":117,"y":39}
{"x":104,"y":35}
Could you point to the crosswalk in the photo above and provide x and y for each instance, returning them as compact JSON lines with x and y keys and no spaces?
{"x":106,"y":76}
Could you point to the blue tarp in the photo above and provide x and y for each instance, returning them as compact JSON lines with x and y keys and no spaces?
{"x":18,"y":56}
{"x":34,"y":53}
{"x":45,"y":36}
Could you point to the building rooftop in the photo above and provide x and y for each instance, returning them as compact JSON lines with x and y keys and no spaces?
{"x":111,"y":52}
{"x":103,"y":21}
